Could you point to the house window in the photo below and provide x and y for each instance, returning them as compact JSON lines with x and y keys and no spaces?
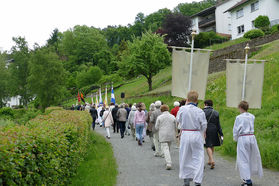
{"x":240,"y":29}
{"x":255,"y":6}
{"x":239,"y":13}
{"x":253,"y":24}
{"x":230,"y":27}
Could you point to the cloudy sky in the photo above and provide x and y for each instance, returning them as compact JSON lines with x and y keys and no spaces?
{"x":36,"y":19}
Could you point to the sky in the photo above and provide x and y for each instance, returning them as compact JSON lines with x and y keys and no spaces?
{"x":36,"y":19}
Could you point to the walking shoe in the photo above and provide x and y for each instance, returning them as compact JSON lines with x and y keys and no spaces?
{"x":187,"y":182}
{"x":153,"y":148}
{"x":168,"y":167}
{"x":246,"y":183}
{"x":197,"y":184}
{"x":212,"y":165}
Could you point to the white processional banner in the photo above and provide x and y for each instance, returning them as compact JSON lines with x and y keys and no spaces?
{"x":180,"y":72}
{"x":253,"y":84}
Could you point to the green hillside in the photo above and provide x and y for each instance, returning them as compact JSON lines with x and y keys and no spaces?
{"x":267,"y":118}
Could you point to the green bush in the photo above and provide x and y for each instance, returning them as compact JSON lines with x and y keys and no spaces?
{"x":275,"y":28}
{"x":6,"y":112}
{"x":253,"y":34}
{"x":46,"y":151}
{"x":205,"y":39}
{"x":262,"y":21}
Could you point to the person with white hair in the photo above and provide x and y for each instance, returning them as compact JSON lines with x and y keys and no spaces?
{"x":130,"y":121}
{"x":153,"y":118}
{"x":108,"y":121}
{"x":150,"y":126}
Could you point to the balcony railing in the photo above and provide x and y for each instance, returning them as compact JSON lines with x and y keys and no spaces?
{"x":206,"y":21}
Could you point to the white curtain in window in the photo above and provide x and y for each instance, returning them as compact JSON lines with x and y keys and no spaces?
{"x":180,"y":72}
{"x":253,"y":85}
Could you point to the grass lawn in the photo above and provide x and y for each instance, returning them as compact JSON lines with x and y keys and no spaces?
{"x":227,"y":44}
{"x":99,"y":167}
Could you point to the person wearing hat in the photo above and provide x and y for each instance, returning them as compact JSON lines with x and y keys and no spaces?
{"x":153,"y":118}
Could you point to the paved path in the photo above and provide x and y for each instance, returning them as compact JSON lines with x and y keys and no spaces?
{"x":138,"y":167}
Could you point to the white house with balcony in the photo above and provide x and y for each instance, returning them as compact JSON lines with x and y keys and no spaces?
{"x":244,"y":13}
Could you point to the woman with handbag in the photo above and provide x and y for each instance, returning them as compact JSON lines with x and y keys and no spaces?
{"x":214,"y":134}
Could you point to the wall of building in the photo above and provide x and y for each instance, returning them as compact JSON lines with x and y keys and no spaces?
{"x":13,"y":101}
{"x":272,"y":9}
{"x":224,"y":19}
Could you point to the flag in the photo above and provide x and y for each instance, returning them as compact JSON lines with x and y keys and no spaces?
{"x":112,"y":96}
{"x":92,"y":100}
{"x":78,"y":97}
{"x":100,"y":94}
{"x":97,"y":103}
{"x":82,"y":98}
{"x":106,"y":96}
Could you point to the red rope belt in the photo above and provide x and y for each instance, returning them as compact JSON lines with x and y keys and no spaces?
{"x":246,"y":135}
{"x":190,"y":130}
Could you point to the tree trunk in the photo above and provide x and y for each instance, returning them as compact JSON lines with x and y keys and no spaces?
{"x":149,"y":79}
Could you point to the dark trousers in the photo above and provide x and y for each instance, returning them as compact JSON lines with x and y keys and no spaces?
{"x":93,"y":123}
{"x":116,"y":126}
{"x":122,"y":127}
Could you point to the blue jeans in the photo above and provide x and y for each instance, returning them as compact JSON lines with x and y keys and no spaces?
{"x":139,"y":131}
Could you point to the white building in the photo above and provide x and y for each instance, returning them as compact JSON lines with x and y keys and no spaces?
{"x":13,"y":101}
{"x":204,"y":21}
{"x":244,"y":13}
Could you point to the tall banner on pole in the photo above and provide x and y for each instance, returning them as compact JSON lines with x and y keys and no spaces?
{"x":100,"y":94}
{"x":112,"y":95}
{"x":182,"y":82}
{"x":97,"y":103}
{"x":253,"y":83}
{"x":106,"y":96}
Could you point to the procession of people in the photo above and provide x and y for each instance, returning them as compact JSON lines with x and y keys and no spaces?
{"x":191,"y":128}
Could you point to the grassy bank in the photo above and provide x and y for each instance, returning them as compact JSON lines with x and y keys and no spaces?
{"x":99,"y":166}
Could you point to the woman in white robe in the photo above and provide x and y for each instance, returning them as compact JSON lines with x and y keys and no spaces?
{"x":248,"y":155}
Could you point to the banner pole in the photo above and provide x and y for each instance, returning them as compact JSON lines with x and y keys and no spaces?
{"x":247,"y":48}
{"x":191,"y":60}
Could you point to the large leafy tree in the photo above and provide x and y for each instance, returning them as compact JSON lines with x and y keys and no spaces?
{"x":146,"y":56}
{"x":88,"y":77}
{"x":4,"y":80}
{"x":47,"y":77}
{"x":19,"y":69}
{"x":80,"y":45}
{"x":189,"y":9}
{"x":176,"y":29}
{"x":155,"y":20}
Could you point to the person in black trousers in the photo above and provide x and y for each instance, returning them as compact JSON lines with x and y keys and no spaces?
{"x":115,"y":119}
{"x":214,"y":132}
{"x":94,"y":116}
{"x":122,"y":118}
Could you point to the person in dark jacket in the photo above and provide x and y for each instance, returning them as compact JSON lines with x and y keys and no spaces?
{"x":214,"y":132}
{"x":115,"y":119}
{"x":94,"y":116}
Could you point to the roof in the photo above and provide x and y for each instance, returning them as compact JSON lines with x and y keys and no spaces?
{"x":237,"y":5}
{"x":205,"y":12}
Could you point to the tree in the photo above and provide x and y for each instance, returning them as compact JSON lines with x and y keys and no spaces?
{"x":4,"y":80}
{"x":54,"y":40}
{"x":19,"y":69}
{"x":146,"y":56}
{"x":89,"y":77}
{"x":47,"y":77}
{"x":155,"y":20}
{"x":189,"y":9}
{"x":262,"y":22}
{"x":177,"y":28}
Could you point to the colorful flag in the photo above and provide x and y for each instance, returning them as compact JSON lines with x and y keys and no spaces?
{"x":112,"y":96}
{"x":78,"y":97}
{"x":97,"y":103}
{"x":82,"y":98}
{"x":100,"y":94}
{"x":106,"y":96}
{"x":92,"y":100}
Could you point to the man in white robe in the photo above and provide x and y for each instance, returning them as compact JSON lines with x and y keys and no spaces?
{"x":248,"y":155}
{"x":193,"y":126}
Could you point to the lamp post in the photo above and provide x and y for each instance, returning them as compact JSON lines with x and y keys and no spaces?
{"x":191,"y":59}
{"x":247,"y":48}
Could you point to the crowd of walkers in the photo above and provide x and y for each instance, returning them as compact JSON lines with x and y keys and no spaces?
{"x":192,"y":129}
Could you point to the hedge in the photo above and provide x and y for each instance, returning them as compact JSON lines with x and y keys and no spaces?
{"x":253,"y":34}
{"x":46,"y":151}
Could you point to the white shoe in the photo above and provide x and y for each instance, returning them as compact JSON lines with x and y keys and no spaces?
{"x":168,"y":167}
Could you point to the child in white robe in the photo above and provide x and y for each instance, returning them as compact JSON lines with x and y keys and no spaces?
{"x":193,"y":126}
{"x":248,"y":155}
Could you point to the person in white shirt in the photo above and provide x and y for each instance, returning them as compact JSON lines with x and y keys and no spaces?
{"x":193,"y":126}
{"x":248,"y":155}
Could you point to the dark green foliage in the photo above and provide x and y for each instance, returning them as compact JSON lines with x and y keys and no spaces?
{"x":6,"y":112}
{"x":88,"y":77}
{"x":46,"y":151}
{"x":274,"y":29}
{"x":194,"y":7}
{"x":262,"y":21}
{"x":4,"y":80}
{"x":253,"y":34}
{"x":205,"y":39}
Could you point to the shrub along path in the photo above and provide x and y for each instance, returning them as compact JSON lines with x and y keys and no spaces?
{"x":138,"y":167}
